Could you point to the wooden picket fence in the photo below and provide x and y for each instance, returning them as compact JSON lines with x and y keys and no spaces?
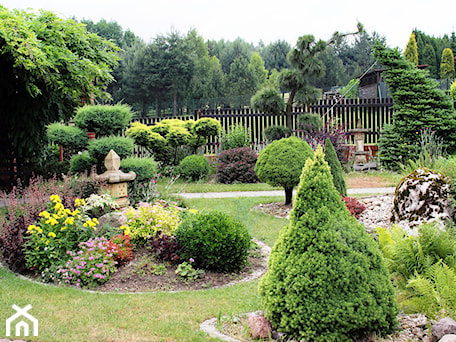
{"x":372,"y":114}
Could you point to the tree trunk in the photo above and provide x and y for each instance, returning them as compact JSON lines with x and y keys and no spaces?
{"x":288,"y":195}
{"x":290,"y":101}
{"x":175,"y":104}
{"x":157,"y":113}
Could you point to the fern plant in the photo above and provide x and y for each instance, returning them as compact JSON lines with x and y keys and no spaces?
{"x":434,"y":293}
{"x":407,"y":256}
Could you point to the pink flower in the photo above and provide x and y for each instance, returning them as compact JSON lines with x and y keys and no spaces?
{"x":191,"y":260}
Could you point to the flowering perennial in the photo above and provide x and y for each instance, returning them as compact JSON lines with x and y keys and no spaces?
{"x":92,"y":265}
{"x":58,"y":230}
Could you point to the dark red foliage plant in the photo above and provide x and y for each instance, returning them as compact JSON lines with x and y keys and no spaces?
{"x":237,"y":165}
{"x":354,"y":206}
{"x":165,"y":247}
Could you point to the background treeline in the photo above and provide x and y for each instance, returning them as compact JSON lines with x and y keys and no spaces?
{"x":177,"y":73}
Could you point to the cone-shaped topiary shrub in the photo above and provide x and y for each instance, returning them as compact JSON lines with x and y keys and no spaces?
{"x":335,"y":167}
{"x":326,"y":278}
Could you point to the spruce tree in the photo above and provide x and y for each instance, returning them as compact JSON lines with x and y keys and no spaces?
{"x":418,"y":104}
{"x":336,"y":168}
{"x":326,"y":278}
{"x":447,"y":64}
{"x":411,"y":50}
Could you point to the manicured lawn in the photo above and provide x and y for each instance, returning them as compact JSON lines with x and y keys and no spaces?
{"x":353,"y":179}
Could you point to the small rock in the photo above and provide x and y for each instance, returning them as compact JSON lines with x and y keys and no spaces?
{"x":443,"y":327}
{"x":448,"y":338}
{"x":259,"y":326}
{"x":114,"y":219}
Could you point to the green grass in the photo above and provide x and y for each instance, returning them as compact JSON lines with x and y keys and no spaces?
{"x":385,"y":179}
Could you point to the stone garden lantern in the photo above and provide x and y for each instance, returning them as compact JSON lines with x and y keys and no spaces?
{"x":360,"y":162}
{"x":116,"y":180}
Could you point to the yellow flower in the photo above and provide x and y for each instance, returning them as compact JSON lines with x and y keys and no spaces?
{"x":44,"y":214}
{"x":47,"y":242}
{"x":63,"y":228}
{"x":55,"y":216}
{"x":95,"y":220}
{"x":55,"y":198}
{"x":90,"y":224}
{"x":75,"y":212}
{"x":31,"y":227}
{"x":52,"y":234}
{"x":194,"y":211}
{"x":58,"y":206}
{"x":79,"y":202}
{"x":52,"y":221}
{"x":69,"y":221}
{"x":39,"y":230}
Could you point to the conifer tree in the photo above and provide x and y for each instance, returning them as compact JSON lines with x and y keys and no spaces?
{"x":335,"y":166}
{"x":326,"y":278}
{"x":418,"y":104}
{"x":411,"y":50}
{"x":447,"y":64}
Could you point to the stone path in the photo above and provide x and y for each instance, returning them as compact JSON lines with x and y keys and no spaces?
{"x":271,"y":193}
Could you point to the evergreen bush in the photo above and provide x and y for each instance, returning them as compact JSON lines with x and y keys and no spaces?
{"x":281,"y":163}
{"x":216,"y":241}
{"x":272,"y":133}
{"x":72,"y":138}
{"x":82,"y":163}
{"x":335,"y":167}
{"x":103,"y":120}
{"x":326,"y":278}
{"x":99,"y":148}
{"x":236,"y":137}
{"x":194,"y":167}
{"x":237,"y":165}
{"x":145,"y":167}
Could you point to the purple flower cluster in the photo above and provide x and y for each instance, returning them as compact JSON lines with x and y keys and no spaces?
{"x":92,"y":265}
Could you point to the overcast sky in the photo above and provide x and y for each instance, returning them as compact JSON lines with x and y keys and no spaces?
{"x":256,"y":20}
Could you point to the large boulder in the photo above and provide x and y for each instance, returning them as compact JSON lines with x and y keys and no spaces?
{"x":422,"y":196}
{"x":445,"y":326}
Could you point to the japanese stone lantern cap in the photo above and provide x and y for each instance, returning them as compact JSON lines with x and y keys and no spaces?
{"x":113,"y":174}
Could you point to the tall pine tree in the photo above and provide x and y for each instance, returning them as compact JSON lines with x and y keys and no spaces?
{"x":447,"y":64}
{"x":418,"y":104}
{"x":411,"y":51}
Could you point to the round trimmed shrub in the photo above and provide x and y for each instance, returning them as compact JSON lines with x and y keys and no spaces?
{"x":103,"y":120}
{"x":81,"y":163}
{"x":70,"y":137}
{"x":216,"y":241}
{"x":281,"y":163}
{"x":237,"y":165}
{"x":194,"y":167}
{"x":99,"y":148}
{"x":145,"y":168}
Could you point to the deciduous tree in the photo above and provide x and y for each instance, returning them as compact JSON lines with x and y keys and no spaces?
{"x":49,"y":66}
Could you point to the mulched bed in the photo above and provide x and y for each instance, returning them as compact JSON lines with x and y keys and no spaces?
{"x":145,"y":273}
